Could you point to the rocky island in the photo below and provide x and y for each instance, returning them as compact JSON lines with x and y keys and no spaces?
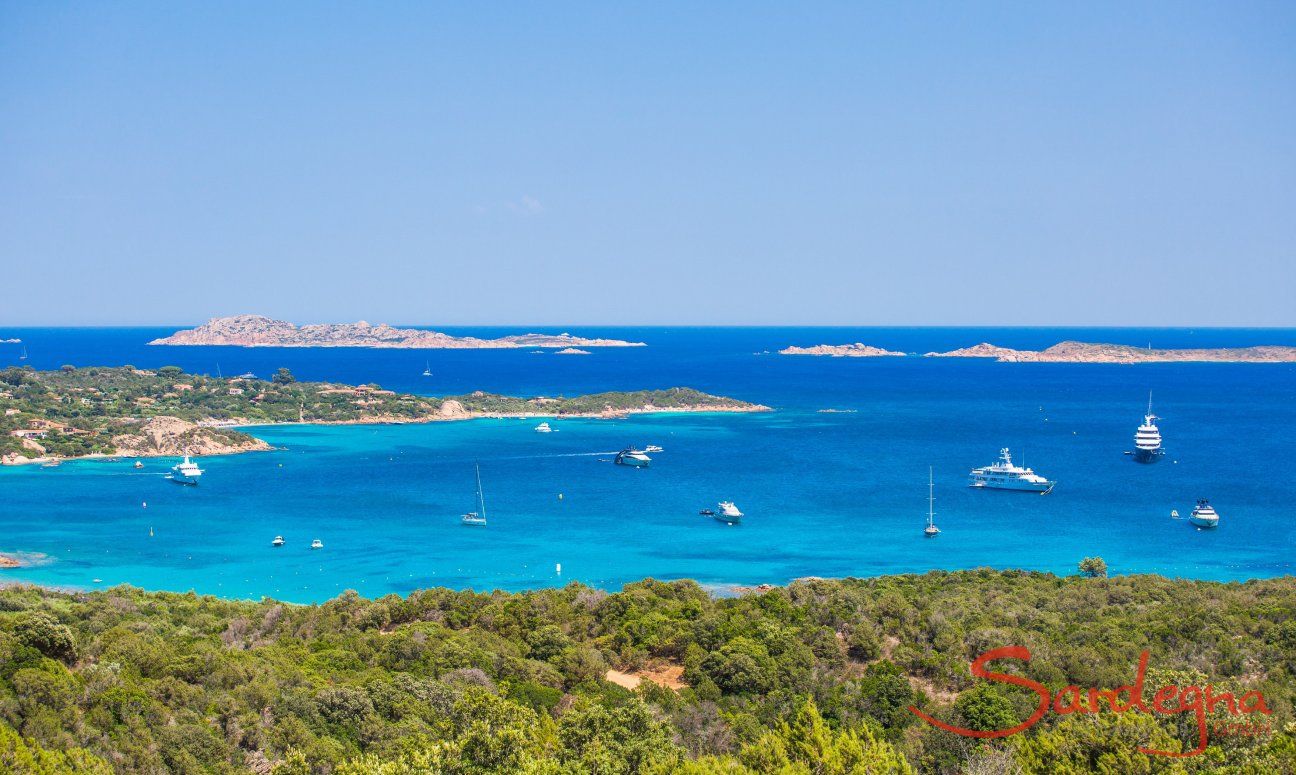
{"x":1072,"y":352}
{"x":261,"y":331}
{"x":857,"y":350}
{"x":1086,"y":352}
{"x":124,"y":411}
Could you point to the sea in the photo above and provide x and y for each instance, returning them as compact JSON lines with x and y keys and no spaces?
{"x":825,"y":493}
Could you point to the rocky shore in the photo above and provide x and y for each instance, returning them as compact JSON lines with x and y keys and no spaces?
{"x":261,"y":331}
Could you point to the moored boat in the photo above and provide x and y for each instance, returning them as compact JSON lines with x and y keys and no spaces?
{"x":1004,"y":475}
{"x":632,"y":457}
{"x":1204,"y":514}
{"x":931,"y":531}
{"x":186,"y":472}
{"x":278,"y":541}
{"x":476,"y":518}
{"x":1147,"y":439}
{"x":728,"y":513}
{"x":543,"y":428}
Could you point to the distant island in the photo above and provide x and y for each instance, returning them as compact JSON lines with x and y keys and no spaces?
{"x":123,"y":411}
{"x":572,"y":351}
{"x":1074,"y":352}
{"x":857,"y":350}
{"x":261,"y":331}
{"x":1085,"y":352}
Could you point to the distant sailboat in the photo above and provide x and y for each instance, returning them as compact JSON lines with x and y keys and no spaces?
{"x":427,"y":370}
{"x":477,"y":518}
{"x":931,"y":531}
{"x":23,"y":357}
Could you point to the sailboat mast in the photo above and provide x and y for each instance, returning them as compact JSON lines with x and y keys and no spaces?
{"x":1149,"y":402}
{"x":481,"y":499}
{"x":931,"y":497}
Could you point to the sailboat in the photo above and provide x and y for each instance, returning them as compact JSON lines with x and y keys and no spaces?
{"x":427,"y":369}
{"x":477,"y":518}
{"x":23,"y":357}
{"x":931,"y":531}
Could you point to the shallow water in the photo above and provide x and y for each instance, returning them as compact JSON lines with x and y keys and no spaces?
{"x":825,"y":494}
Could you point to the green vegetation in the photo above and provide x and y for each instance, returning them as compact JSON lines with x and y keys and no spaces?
{"x":90,"y":406}
{"x":1093,"y":567}
{"x":816,"y":677}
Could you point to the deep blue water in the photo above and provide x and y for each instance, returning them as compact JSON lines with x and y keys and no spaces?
{"x":825,"y":494}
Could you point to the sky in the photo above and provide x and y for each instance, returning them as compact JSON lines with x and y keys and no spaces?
{"x":721,"y":163}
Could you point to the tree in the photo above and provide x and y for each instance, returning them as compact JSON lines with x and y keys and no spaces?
{"x":44,"y":633}
{"x":1093,"y":567}
{"x":283,"y":376}
{"x":171,"y":372}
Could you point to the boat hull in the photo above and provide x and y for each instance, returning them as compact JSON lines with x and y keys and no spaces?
{"x":1148,"y":456}
{"x":1199,"y":522}
{"x":633,"y":462}
{"x":727,"y":520}
{"x":186,"y":480}
{"x":1010,"y":484}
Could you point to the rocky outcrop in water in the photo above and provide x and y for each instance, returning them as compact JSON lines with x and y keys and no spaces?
{"x":1086,"y":352}
{"x":261,"y":331}
{"x":857,"y":350}
{"x":173,"y":436}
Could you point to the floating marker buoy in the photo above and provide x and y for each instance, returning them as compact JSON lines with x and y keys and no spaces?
{"x":559,"y":496}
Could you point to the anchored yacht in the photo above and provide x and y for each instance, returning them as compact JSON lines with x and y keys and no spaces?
{"x":728,"y":513}
{"x":186,"y":472}
{"x":476,"y":518}
{"x":1203,"y":515}
{"x":1003,"y":475}
{"x":1147,"y":439}
{"x":931,"y":531}
{"x":543,"y":428}
{"x":632,"y":457}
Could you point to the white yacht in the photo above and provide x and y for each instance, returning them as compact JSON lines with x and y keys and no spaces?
{"x":186,"y":472}
{"x":543,"y":428}
{"x":317,"y":544}
{"x":279,"y":541}
{"x":476,"y":518}
{"x":632,"y":457}
{"x":1003,"y":475}
{"x":1203,"y":514}
{"x":728,"y":513}
{"x":931,"y":531}
{"x":1147,"y":439}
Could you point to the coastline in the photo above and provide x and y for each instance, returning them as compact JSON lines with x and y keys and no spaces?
{"x":260,"y":445}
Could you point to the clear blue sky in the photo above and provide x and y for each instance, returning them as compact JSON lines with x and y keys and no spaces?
{"x":728,"y":163}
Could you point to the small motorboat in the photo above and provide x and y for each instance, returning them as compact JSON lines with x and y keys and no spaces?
{"x":139,"y":464}
{"x":1203,"y":514}
{"x":653,"y":448}
{"x":632,"y":457}
{"x":317,"y":544}
{"x":728,"y":513}
{"x":543,"y":428}
{"x":279,"y":541}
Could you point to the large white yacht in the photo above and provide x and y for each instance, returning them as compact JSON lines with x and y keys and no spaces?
{"x":1203,"y":515}
{"x":728,"y":513}
{"x":186,"y":472}
{"x":1147,"y":439}
{"x":632,"y":457}
{"x":1003,"y":475}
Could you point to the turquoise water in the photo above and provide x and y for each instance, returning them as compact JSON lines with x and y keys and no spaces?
{"x":825,"y":494}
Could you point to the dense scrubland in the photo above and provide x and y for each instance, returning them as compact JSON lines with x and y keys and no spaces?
{"x":816,"y":677}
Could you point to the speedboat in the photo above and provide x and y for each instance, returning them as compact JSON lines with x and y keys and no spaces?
{"x":186,"y":472}
{"x":139,"y":463}
{"x":728,"y":513}
{"x":632,"y":457}
{"x":317,"y":544}
{"x":653,"y":448}
{"x":1203,"y":514}
{"x":543,"y":428}
{"x":279,"y":541}
{"x":1003,"y":475}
